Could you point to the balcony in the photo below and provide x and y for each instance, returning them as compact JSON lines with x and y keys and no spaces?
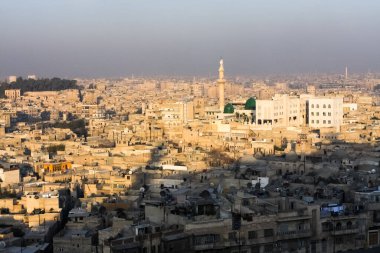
{"x":260,"y":240}
{"x":286,"y":235}
{"x":345,"y":231}
{"x":215,"y":245}
{"x":204,"y":246}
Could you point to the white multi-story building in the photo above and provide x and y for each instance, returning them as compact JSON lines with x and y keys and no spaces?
{"x":294,"y":111}
{"x":281,"y":110}
{"x":325,"y":112}
{"x":12,"y":79}
{"x":34,"y":77}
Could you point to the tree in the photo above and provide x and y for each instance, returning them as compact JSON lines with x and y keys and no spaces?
{"x":25,"y":85}
{"x":77,"y":126}
{"x":54,"y":148}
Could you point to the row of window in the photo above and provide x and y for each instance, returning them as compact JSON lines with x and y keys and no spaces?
{"x":323,"y":113}
{"x":213,"y":238}
{"x":252,"y":234}
{"x":317,"y":106}
{"x":324,"y":121}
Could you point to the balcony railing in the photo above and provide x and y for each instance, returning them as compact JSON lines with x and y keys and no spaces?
{"x":345,"y":231}
{"x":294,"y":234}
{"x":204,"y":246}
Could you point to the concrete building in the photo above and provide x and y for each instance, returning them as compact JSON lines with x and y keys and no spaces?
{"x":80,"y":233}
{"x":280,"y":111}
{"x":13,"y":94}
{"x":10,"y":175}
{"x":325,"y":112}
{"x":33,"y":77}
{"x":310,"y":89}
{"x":12,"y":79}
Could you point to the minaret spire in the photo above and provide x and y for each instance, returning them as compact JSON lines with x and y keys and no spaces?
{"x":221,"y":70}
{"x":346,"y":74}
{"x":221,"y":83}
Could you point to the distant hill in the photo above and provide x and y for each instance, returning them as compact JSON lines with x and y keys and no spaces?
{"x":25,"y":85}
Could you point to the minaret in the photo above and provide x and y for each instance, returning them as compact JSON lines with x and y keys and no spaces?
{"x":346,"y":74}
{"x":221,"y":83}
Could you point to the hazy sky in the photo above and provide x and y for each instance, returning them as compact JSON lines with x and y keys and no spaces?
{"x":113,"y":38}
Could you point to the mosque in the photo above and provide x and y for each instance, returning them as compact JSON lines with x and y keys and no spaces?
{"x":243,"y":111}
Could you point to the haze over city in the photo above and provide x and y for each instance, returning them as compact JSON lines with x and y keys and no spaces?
{"x":198,"y":126}
{"x":97,"y":38}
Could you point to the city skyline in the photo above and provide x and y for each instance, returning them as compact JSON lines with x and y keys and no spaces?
{"x":98,"y":39}
{"x":195,"y":126}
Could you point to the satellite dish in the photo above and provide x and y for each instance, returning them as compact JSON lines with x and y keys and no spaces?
{"x":142,"y":189}
{"x":2,"y":245}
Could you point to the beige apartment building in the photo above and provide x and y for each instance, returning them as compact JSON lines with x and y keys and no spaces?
{"x":281,"y":111}
{"x":13,"y":94}
{"x":325,"y":112}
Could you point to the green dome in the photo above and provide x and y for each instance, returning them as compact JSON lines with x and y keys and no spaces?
{"x":250,"y":104}
{"x":229,"y":108}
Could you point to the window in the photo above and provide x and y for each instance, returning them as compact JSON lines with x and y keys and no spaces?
{"x":317,"y":106}
{"x":268,"y":232}
{"x":317,"y":121}
{"x":329,"y":114}
{"x":339,"y":240}
{"x":317,"y":113}
{"x":324,"y":122}
{"x":252,"y":234}
{"x":206,"y":239}
{"x":329,"y":106}
{"x":268,"y":248}
{"x":324,"y":106}
{"x":373,"y":238}
{"x":312,"y":113}
{"x":324,"y":245}
{"x":324,"y":114}
{"x":329,"y":121}
{"x":255,"y":249}
{"x":232,"y":236}
{"x":312,"y":121}
{"x":312,"y":105}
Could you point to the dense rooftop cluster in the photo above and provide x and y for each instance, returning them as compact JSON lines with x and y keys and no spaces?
{"x":157,"y":165}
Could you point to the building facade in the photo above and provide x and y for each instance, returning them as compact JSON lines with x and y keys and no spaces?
{"x":325,"y":112}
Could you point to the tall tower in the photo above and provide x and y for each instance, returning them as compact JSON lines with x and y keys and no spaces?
{"x":221,"y":83}
{"x":346,"y":74}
